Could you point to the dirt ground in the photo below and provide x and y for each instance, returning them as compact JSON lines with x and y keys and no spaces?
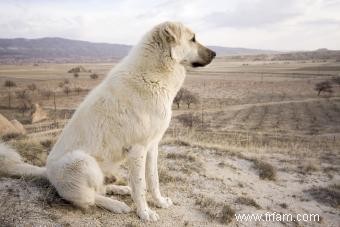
{"x":202,"y":182}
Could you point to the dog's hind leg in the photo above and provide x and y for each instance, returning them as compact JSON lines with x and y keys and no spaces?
{"x":78,"y":179}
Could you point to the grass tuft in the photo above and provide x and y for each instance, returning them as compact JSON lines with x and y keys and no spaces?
{"x":248,"y":202}
{"x":329,"y":195}
{"x":215,"y":210}
{"x":266,"y":170}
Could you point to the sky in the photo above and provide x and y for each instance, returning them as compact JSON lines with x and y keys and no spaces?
{"x":260,"y":24}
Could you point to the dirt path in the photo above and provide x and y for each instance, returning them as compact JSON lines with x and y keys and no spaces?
{"x":206,"y":185}
{"x":249,"y":105}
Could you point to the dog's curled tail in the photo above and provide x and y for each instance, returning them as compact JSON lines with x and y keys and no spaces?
{"x":11,"y":164}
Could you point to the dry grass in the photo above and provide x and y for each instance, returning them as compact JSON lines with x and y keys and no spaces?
{"x":329,"y":195}
{"x":12,"y":136}
{"x":166,"y":177}
{"x":48,"y":143}
{"x":248,"y":202}
{"x":309,"y":167}
{"x":215,"y":210}
{"x":175,"y":156}
{"x":266,"y":170}
{"x":32,"y":151}
{"x":283,"y":205}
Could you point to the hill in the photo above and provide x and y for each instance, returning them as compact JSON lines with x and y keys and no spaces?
{"x":58,"y":50}
{"x":67,"y":50}
{"x":21,"y":50}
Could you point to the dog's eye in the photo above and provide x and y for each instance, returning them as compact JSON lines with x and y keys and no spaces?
{"x":193,"y":39}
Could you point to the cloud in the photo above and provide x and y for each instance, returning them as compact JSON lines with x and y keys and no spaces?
{"x":255,"y":13}
{"x":267,"y":24}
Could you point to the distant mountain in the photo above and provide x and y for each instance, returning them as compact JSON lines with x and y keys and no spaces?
{"x":21,"y":50}
{"x":67,"y":50}
{"x":226,"y":51}
{"x":59,"y":49}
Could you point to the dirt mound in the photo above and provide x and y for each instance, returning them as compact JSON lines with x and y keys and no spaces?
{"x":18,"y":126}
{"x":6,"y":127}
{"x":38,"y":114}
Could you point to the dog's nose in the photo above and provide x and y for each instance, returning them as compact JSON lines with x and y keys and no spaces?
{"x":212,"y":53}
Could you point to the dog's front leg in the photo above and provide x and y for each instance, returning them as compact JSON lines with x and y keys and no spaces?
{"x":136,"y":163}
{"x":152,"y":178}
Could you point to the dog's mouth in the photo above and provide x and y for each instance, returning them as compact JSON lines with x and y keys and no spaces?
{"x":198,"y":64}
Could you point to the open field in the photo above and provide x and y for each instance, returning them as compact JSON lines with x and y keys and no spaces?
{"x":259,"y":140}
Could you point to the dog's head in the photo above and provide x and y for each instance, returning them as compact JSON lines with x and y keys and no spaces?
{"x":183,"y":46}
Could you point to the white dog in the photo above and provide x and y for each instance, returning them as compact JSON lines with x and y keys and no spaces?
{"x":124,"y":117}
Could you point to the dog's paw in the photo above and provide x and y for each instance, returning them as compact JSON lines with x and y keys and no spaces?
{"x":123,"y":208}
{"x":117,"y":207}
{"x":124,"y":190}
{"x":164,"y":202}
{"x":117,"y":189}
{"x":148,"y":215}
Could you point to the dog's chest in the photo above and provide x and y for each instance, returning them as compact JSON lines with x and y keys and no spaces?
{"x":159,"y":116}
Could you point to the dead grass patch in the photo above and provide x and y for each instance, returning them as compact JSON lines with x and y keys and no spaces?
{"x":283,"y":205}
{"x":248,"y":202}
{"x":12,"y":136}
{"x":309,"y":167}
{"x":329,"y":195}
{"x":165,"y":177}
{"x":48,"y":143}
{"x":215,"y":210}
{"x":170,"y":141}
{"x":266,"y":170}
{"x":175,"y":156}
{"x":32,"y":151}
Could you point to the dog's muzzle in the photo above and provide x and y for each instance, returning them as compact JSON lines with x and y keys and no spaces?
{"x":206,"y":55}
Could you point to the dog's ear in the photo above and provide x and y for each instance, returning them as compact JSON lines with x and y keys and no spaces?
{"x":171,"y":33}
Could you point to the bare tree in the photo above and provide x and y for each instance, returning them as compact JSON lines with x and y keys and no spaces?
{"x":78,"y":90}
{"x":25,"y":100}
{"x":9,"y":84}
{"x":67,"y":90}
{"x":94,"y":76}
{"x":189,"y":98}
{"x":324,"y":86}
{"x":179,"y":96}
{"x":54,"y":93}
{"x":336,"y":80}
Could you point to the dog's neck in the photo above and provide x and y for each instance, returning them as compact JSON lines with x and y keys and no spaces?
{"x":151,"y":57}
{"x":153,"y":65}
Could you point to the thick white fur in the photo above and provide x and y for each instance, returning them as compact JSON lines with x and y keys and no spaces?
{"x":11,"y":164}
{"x":124,"y":117}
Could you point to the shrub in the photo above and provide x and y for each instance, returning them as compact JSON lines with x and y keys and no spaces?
{"x":94,"y":76}
{"x":324,"y":86}
{"x":188,"y":120}
{"x":11,"y":136}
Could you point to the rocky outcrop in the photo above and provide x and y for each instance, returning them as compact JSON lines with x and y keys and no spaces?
{"x":18,"y":126}
{"x":38,"y":114}
{"x":6,"y":127}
